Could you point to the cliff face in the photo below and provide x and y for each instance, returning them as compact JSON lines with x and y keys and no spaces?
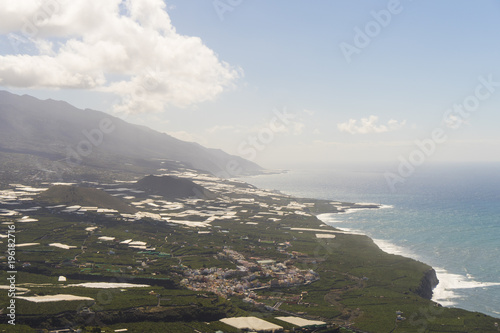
{"x":428,"y":283}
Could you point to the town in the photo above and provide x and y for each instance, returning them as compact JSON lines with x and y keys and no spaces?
{"x":245,"y":280}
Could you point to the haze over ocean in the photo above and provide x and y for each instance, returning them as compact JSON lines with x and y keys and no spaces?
{"x":447,"y":216}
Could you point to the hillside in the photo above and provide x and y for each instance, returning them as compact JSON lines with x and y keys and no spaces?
{"x":58,"y":131}
{"x":173,"y":188}
{"x":248,"y":252}
{"x":84,"y":196}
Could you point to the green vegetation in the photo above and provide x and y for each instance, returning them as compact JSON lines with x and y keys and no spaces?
{"x":73,"y":195}
{"x":173,"y":188}
{"x":359,"y":285}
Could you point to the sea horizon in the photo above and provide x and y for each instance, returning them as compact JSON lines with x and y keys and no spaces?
{"x":426,"y":219}
{"x":129,"y":130}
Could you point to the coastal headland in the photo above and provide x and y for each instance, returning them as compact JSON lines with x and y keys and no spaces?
{"x":178,"y":264}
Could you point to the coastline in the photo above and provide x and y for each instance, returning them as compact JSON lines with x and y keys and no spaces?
{"x":351,"y":271}
{"x":458,"y":287}
{"x":443,"y":292}
{"x":431,"y":279}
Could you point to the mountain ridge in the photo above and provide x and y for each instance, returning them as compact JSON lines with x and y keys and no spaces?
{"x":60,"y":131}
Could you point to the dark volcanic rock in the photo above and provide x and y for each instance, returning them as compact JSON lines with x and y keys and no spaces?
{"x":173,"y":188}
{"x":428,"y":283}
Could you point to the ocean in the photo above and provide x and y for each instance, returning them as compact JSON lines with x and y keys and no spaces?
{"x":446,"y":215}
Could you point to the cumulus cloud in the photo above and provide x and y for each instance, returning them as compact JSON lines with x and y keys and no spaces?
{"x":220,"y":128}
{"x":369,"y":125}
{"x":186,"y":136}
{"x":455,"y":122}
{"x":128,"y":48}
{"x":298,"y":128}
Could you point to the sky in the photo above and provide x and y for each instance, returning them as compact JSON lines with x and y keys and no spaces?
{"x":282,"y":83}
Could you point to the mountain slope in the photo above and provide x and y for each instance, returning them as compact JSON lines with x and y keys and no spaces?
{"x":84,"y":196}
{"x":173,"y":188}
{"x":59,"y":131}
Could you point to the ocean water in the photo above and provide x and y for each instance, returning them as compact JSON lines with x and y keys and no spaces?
{"x":447,"y":216}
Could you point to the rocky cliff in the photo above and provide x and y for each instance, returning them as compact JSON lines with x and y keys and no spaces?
{"x":428,"y":283}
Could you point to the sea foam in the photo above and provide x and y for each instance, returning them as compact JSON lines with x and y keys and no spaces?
{"x":447,"y":292}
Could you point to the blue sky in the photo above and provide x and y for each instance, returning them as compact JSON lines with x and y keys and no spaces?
{"x":225,"y":79}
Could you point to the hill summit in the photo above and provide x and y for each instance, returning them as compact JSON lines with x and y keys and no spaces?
{"x":173,"y":188}
{"x":84,"y":196}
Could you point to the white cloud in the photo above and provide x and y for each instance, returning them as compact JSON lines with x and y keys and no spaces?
{"x":369,"y":125}
{"x":128,"y":48}
{"x":325,"y":143}
{"x":298,"y":128}
{"x":220,"y":128}
{"x":292,"y":127}
{"x":455,"y":122}
{"x":186,"y":136}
